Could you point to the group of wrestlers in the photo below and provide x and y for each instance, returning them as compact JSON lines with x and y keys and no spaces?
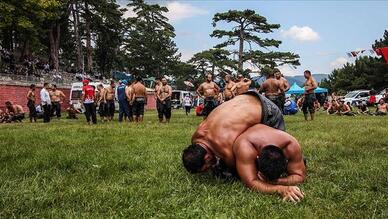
{"x":245,"y":138}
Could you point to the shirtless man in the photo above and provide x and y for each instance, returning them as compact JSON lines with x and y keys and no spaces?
{"x":228,"y":93}
{"x":164,"y":97}
{"x":216,"y":134}
{"x":57,"y":97}
{"x":110,"y":101}
{"x":242,"y":85}
{"x":129,"y":94}
{"x":31,"y":103}
{"x":285,"y":87}
{"x":158,"y":84}
{"x":208,"y":90}
{"x":308,"y":104}
{"x":139,"y":99}
{"x":15,"y":112}
{"x":344,"y":109}
{"x":333,"y":108}
{"x":273,"y":90}
{"x":264,"y":155}
{"x":101,"y":102}
{"x":382,"y":108}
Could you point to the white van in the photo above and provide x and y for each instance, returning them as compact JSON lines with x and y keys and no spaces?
{"x":76,"y":94}
{"x":178,"y":96}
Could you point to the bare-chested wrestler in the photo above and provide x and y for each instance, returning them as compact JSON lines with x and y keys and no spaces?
{"x":228,"y":93}
{"x":15,"y":112}
{"x":101,"y":102}
{"x":57,"y":97}
{"x":270,"y":161}
{"x":139,"y":99}
{"x":285,"y":87}
{"x":158,"y":84}
{"x":273,"y":89}
{"x":129,"y":94}
{"x":242,"y":85}
{"x":308,"y":104}
{"x":382,"y":108}
{"x":164,"y":97}
{"x":216,"y":134}
{"x":110,"y":101}
{"x":208,"y":90}
{"x":31,"y":98}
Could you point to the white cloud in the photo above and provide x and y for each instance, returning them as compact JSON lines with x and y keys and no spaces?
{"x":186,"y":55}
{"x":302,"y":34}
{"x":179,"y":11}
{"x":129,"y":12}
{"x":338,"y":63}
{"x":288,"y":71}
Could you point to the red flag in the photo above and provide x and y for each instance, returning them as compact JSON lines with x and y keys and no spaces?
{"x":383,"y":52}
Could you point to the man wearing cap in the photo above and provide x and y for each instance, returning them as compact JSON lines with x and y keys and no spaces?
{"x":242,"y":85}
{"x":123,"y":101}
{"x":88,"y":101}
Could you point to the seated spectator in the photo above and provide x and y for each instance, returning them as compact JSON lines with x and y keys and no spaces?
{"x":300,"y":101}
{"x":382,"y":108}
{"x":15,"y":112}
{"x":350,"y":106}
{"x":3,"y":117}
{"x":363,"y":108}
{"x":39,"y":111}
{"x":317,"y":105}
{"x":333,"y":107}
{"x":326,"y":105}
{"x":72,"y":112}
{"x":344,"y":109}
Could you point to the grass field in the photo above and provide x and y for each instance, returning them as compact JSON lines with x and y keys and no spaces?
{"x":70,"y":169}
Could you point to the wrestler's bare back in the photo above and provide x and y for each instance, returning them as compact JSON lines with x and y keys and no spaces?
{"x":225,"y":123}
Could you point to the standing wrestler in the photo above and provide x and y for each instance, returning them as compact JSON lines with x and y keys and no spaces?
{"x":309,"y":96}
{"x":129,"y":94}
{"x":228,"y":93}
{"x":139,"y":99}
{"x":242,"y":85}
{"x":101,"y":102}
{"x":158,"y":84}
{"x":57,"y":97}
{"x":285,"y":87}
{"x":164,"y":97}
{"x":110,"y":101}
{"x":273,"y":89}
{"x":31,"y":103}
{"x":208,"y":90}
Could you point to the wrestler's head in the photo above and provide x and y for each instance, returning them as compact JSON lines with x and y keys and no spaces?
{"x":112,"y":84}
{"x":164,"y":81}
{"x":307,"y":74}
{"x":197,"y":158}
{"x":54,"y":87}
{"x":240,"y":77}
{"x":277,"y":73}
{"x":32,"y":87}
{"x":209,"y":77}
{"x":271,"y":163}
{"x":227,"y":77}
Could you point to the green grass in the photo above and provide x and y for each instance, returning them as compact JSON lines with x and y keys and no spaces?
{"x":69,"y":169}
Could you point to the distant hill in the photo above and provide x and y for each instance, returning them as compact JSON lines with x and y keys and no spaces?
{"x":299,"y":79}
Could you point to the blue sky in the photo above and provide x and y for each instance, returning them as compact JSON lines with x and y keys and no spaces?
{"x":321,"y":32}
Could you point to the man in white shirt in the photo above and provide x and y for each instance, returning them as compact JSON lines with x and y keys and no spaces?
{"x":46,"y":102}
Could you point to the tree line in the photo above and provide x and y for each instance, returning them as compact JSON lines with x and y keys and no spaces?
{"x":94,"y":36}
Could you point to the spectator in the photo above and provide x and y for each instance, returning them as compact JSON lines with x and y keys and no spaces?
{"x":46,"y":102}
{"x":3,"y":117}
{"x":363,"y":108}
{"x":317,"y":105}
{"x":187,"y":103}
{"x":382,"y":108}
{"x":333,"y":107}
{"x":344,"y":109}
{"x":326,"y":105}
{"x":72,"y":112}
{"x":15,"y":112}
{"x":350,"y":106}
{"x":31,"y":103}
{"x":372,"y":97}
{"x":88,"y":94}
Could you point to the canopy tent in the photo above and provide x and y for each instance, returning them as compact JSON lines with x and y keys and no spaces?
{"x":319,"y":90}
{"x":295,"y":89}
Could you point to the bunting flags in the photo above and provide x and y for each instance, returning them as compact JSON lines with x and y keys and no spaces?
{"x":352,"y":54}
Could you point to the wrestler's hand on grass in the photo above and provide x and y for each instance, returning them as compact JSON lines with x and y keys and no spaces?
{"x":292,"y":193}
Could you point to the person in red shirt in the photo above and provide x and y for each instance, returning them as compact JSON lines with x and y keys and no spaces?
{"x":88,"y":92}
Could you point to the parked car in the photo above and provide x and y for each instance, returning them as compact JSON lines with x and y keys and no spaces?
{"x":357,"y":96}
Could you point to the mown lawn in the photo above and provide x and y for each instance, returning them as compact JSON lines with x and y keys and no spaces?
{"x":69,"y":169}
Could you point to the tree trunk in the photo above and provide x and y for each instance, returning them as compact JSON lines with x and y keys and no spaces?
{"x":89,"y":50}
{"x":78,"y":44}
{"x":241,"y":50}
{"x":54,"y":34}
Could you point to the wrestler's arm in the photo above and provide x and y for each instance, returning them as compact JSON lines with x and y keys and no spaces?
{"x":217,"y":89}
{"x":199,"y":90}
{"x":169,"y":92}
{"x":296,"y":169}
{"x":158,"y":94}
{"x":286,"y":85}
{"x":246,"y":168}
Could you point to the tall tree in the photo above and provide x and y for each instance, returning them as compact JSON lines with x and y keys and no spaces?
{"x":149,"y":40}
{"x":247,"y":27}
{"x":213,"y":59}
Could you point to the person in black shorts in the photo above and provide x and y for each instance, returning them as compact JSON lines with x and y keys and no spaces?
{"x":309,"y":97}
{"x":139,"y":99}
{"x":208,"y":90}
